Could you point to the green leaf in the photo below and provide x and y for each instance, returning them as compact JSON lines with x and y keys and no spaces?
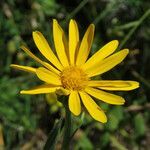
{"x":116,"y":115}
{"x":139,"y":124}
{"x":78,"y":122}
{"x":84,"y":143}
{"x":9,"y":113}
{"x":105,"y":139}
{"x":53,"y":136}
{"x":116,"y":144}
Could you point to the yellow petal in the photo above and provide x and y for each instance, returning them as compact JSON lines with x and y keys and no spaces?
{"x":59,"y":41}
{"x":39,"y":60}
{"x":24,"y":68}
{"x":85,"y":45}
{"x":51,"y":68}
{"x":45,"y":49}
{"x":105,"y":97}
{"x":116,"y":85}
{"x":73,"y":40}
{"x":74,"y":103}
{"x":107,"y":63}
{"x":95,"y":111}
{"x":42,"y":89}
{"x":31,"y":54}
{"x":105,"y":51}
{"x":48,"y":76}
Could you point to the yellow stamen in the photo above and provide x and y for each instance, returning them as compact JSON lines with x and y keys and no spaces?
{"x":73,"y":78}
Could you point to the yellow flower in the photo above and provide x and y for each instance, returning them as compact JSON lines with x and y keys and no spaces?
{"x":71,"y":72}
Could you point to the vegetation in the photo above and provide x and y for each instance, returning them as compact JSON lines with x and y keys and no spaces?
{"x":25,"y":121}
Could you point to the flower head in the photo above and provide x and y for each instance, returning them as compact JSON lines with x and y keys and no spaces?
{"x":70,"y":71}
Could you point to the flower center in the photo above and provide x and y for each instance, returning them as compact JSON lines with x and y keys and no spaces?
{"x":73,"y":78}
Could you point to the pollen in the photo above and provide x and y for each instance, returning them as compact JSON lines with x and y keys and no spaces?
{"x":74,"y":78}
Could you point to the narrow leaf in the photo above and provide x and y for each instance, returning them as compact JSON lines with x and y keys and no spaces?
{"x":53,"y":136}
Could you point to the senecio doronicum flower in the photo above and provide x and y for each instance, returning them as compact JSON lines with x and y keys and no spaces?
{"x":71,"y":71}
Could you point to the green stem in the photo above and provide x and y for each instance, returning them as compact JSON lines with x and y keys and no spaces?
{"x":105,"y":12}
{"x":77,"y":9}
{"x":127,"y":37}
{"x":127,"y":26}
{"x":67,"y":127}
{"x":141,"y":79}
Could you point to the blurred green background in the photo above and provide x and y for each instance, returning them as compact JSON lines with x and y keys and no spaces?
{"x":25,"y":120}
